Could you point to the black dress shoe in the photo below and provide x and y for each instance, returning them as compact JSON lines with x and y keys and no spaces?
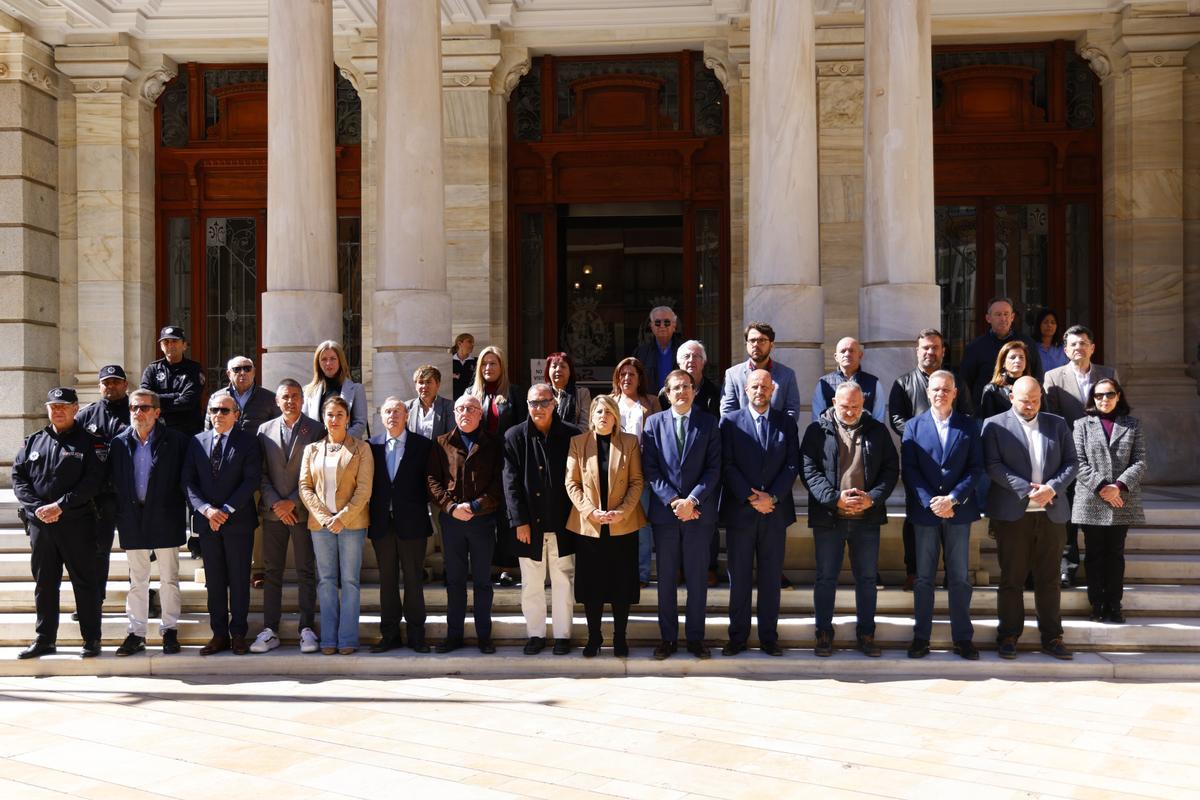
{"x":38,"y":648}
{"x":1116,"y":616}
{"x":418,"y":646}
{"x":449,"y":645}
{"x":771,"y":648}
{"x":919,"y":648}
{"x":733,"y":648}
{"x":1057,"y":649}
{"x":74,"y":616}
{"x":487,"y":647}
{"x":170,"y":641}
{"x":1097,"y":614}
{"x":699,"y":650}
{"x":1008,"y":648}
{"x":620,"y":646}
{"x":90,"y":649}
{"x":785,"y":582}
{"x":506,"y":580}
{"x":132,"y":645}
{"x":592,"y":648}
{"x":562,"y":647}
{"x":665,"y":650}
{"x":967,"y":650}
{"x":535,"y":645}
{"x":386,"y":643}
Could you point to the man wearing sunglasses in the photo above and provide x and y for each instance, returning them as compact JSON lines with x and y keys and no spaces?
{"x":222,"y":470}
{"x":658,"y":354}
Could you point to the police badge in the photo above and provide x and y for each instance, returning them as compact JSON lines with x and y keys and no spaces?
{"x":91,"y":428}
{"x":162,"y":376}
{"x":35,"y":455}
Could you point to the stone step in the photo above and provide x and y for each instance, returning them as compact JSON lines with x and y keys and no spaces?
{"x":1138,"y":634}
{"x":1144,"y":600}
{"x":1140,"y":568}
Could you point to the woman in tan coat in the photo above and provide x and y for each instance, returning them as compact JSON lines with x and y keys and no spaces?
{"x":604,"y":482}
{"x":335,"y":487}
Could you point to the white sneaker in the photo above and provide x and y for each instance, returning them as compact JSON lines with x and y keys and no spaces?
{"x":308,"y":641}
{"x":266,"y":641}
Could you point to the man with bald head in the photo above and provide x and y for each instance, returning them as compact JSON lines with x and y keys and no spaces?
{"x":850,"y":466}
{"x":1030,"y":458}
{"x":849,"y":354}
{"x":979,"y":357}
{"x":760,"y":458}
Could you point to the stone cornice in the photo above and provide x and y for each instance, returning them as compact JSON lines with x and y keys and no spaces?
{"x":99,"y":69}
{"x":27,"y":60}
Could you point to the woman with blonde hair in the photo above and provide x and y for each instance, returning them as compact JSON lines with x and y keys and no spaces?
{"x":331,"y":378}
{"x":604,"y":482}
{"x":631,"y":390}
{"x":335,"y":486}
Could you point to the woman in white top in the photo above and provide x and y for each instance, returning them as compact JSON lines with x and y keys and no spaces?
{"x":335,"y":487}
{"x":331,"y":378}
{"x":632,"y":392}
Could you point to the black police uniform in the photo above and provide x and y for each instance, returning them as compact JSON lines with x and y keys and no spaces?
{"x":104,"y":419}
{"x":64,"y":468}
{"x":180,"y":389}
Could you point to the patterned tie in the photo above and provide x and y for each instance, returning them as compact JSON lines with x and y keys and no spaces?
{"x":215,"y":458}
{"x":393,"y":460}
{"x":762,"y":431}
{"x":680,"y":433}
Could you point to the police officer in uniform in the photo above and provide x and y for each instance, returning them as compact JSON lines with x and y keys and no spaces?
{"x":104,"y":419}
{"x":178,"y":382}
{"x":55,"y":477}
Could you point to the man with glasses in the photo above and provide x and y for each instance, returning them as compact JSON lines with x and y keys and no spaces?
{"x":221,"y":473}
{"x":760,"y":341}
{"x":658,"y":354}
{"x":535,"y":492}
{"x":464,"y":478}
{"x":146,"y":467}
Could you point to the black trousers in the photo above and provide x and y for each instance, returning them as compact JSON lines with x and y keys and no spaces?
{"x":1032,"y":544}
{"x":1104,"y":561}
{"x":595,"y":617}
{"x":1071,"y":549}
{"x":398,"y":557}
{"x":275,"y":538}
{"x":763,"y":543}
{"x":226,"y":555}
{"x":70,"y":543}
{"x":468,"y":548}
{"x":106,"y":529}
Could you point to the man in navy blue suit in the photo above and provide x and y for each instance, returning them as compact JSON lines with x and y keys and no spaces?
{"x":760,"y":455}
{"x":399,"y":526}
{"x":681,"y":459}
{"x":221,"y":472}
{"x":941,"y":459}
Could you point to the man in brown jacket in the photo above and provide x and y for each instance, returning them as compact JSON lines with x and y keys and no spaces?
{"x":465,"y":467}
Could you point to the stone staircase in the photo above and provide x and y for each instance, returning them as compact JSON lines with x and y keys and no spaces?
{"x":1162,"y":602}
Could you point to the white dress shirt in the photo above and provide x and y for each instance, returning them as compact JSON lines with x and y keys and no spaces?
{"x":1036,"y":443}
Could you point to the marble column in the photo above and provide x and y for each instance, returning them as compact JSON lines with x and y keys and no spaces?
{"x":783,"y":282}
{"x":111,"y":171}
{"x":411,"y":324}
{"x":900,"y":295}
{"x":29,"y":285}
{"x":302,"y":305}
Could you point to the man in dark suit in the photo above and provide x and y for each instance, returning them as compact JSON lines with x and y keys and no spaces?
{"x":400,"y":526}
{"x":535,"y":493}
{"x":850,"y":467}
{"x":658,"y":354}
{"x":979,"y":359}
{"x":284,"y":518}
{"x":1030,"y":458}
{"x":941,"y":459}
{"x":222,"y":471}
{"x":146,"y":468}
{"x":760,"y":455}
{"x":681,"y":459}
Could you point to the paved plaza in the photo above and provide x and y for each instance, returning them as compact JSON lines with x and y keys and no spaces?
{"x":636,"y":737}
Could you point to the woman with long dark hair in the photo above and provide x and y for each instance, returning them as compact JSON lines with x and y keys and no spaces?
{"x":1011,"y":363}
{"x":1049,"y":341}
{"x":573,"y":400}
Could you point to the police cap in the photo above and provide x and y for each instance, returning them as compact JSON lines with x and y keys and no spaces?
{"x":61,"y":394}
{"x":112,"y":371}
{"x":171,"y":332}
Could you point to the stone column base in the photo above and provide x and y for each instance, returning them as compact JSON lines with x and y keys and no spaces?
{"x":294,"y":322}
{"x":411,"y":327}
{"x":1169,"y":410}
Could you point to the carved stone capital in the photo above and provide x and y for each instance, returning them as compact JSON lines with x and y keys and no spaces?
{"x":716,"y":58}
{"x":155,"y":82}
{"x":515,"y":63}
{"x":1098,"y":60}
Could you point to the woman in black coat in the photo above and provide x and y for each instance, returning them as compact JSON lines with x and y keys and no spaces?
{"x":1011,"y":363}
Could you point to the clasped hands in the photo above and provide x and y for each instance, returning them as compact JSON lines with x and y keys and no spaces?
{"x":854,"y":501}
{"x":48,"y":513}
{"x":685,"y":510}
{"x":761,"y":501}
{"x":1111,"y":494}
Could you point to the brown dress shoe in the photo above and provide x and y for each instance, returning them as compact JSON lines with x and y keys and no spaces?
{"x":215,"y":645}
{"x":239,"y":646}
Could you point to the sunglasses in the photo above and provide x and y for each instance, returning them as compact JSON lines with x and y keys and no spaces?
{"x":242,"y":368}
{"x":1106,"y":395}
{"x":141,"y":409}
{"x":662,"y":323}
{"x":222,"y":410}
{"x":540,"y":403}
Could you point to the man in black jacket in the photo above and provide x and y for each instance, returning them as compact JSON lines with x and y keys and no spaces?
{"x":146,"y":465}
{"x":658,"y":354}
{"x":535,"y":492}
{"x":55,"y":476}
{"x":979,"y":359}
{"x":400,"y":526}
{"x":178,"y":382}
{"x":850,"y":466}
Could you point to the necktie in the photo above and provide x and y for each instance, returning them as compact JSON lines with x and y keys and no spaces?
{"x":680,"y":433}
{"x":215,"y":457}
{"x":762,"y":431}
{"x":393,"y":460}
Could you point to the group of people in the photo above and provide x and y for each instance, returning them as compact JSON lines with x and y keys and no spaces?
{"x":554,"y":484}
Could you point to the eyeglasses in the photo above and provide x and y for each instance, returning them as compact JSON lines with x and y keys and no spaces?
{"x":242,"y":368}
{"x":1106,"y":395}
{"x":540,"y":403}
{"x":468,"y":410}
{"x":222,"y":410}
{"x":662,"y":323}
{"x":758,"y":340}
{"x":143,"y":409}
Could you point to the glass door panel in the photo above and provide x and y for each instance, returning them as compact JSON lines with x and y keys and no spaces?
{"x":1078,"y":239}
{"x":1022,"y":252}
{"x":708,"y":287}
{"x":231,"y":293}
{"x":957,"y":253}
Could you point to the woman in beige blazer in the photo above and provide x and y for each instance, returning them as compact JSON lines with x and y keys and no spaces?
{"x":335,"y":487}
{"x":604,"y":482}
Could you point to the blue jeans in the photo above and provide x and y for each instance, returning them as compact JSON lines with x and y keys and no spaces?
{"x":339,"y":559}
{"x":645,"y":542}
{"x":929,"y":540}
{"x":830,"y":544}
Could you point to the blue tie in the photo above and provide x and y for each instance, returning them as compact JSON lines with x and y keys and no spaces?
{"x":762,"y":431}
{"x":393,"y":458}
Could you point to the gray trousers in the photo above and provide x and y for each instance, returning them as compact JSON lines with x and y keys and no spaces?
{"x":275,"y":536}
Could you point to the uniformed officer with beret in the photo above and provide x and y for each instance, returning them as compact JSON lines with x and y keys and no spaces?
{"x":178,"y":382}
{"x":55,"y":477}
{"x":104,"y":419}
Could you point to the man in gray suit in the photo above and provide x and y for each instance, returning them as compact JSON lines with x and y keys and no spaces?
{"x":1067,"y":390}
{"x":1030,"y":458}
{"x":430,"y":415}
{"x":760,"y":341}
{"x":282,"y":441}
